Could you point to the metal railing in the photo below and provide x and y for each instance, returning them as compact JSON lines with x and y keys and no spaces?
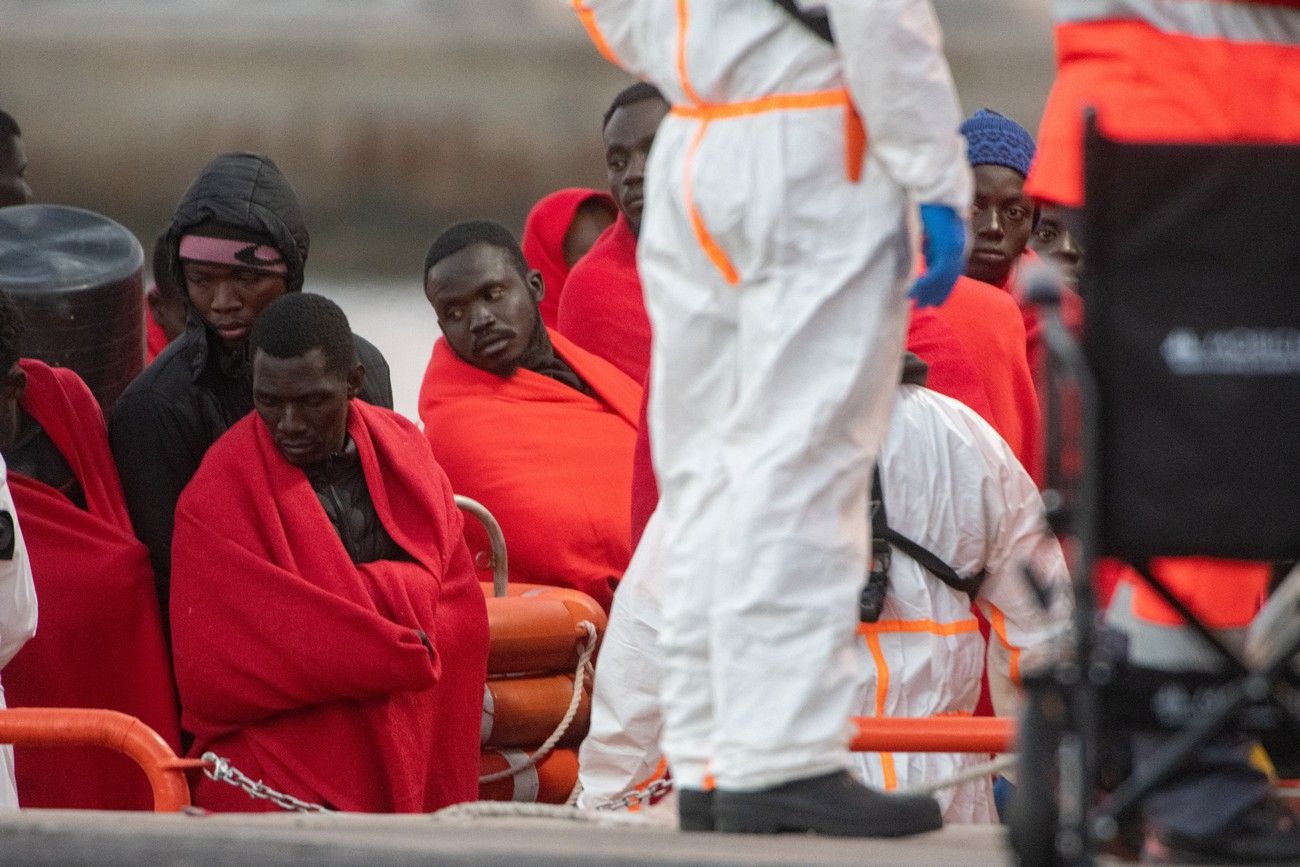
{"x":77,"y":727}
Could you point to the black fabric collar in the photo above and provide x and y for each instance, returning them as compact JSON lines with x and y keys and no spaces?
{"x":915,"y":371}
{"x":341,"y":464}
{"x":230,"y":362}
{"x":540,"y":357}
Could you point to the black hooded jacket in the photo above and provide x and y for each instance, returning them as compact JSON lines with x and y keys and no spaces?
{"x":196,"y":389}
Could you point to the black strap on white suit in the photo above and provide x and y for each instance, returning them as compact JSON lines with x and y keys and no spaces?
{"x":883,"y":538}
{"x":815,"y":20}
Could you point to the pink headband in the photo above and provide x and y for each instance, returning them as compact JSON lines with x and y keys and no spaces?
{"x":223,"y":251}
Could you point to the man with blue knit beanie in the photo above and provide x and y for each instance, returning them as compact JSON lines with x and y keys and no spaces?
{"x":1003,"y":217}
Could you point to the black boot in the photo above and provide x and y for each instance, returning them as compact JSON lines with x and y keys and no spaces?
{"x":694,"y":810}
{"x":834,"y":804}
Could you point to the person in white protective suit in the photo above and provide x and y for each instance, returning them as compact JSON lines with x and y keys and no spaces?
{"x":953,"y":486}
{"x":17,"y":615}
{"x":775,"y":252}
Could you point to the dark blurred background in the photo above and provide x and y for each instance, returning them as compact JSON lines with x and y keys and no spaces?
{"x":391,"y":117}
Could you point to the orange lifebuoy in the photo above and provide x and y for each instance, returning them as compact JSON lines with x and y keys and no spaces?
{"x":582,"y":605}
{"x":549,"y":782}
{"x":538,"y":629}
{"x":531,"y":635}
{"x":524,"y":711}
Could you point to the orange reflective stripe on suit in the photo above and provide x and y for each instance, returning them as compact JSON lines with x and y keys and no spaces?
{"x":1167,"y":71}
{"x":871,"y":633}
{"x":706,"y":112}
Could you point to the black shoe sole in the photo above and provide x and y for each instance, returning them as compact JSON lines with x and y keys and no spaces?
{"x":695,"y":811}
{"x":759,"y":818}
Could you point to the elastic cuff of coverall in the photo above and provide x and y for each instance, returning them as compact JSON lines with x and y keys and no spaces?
{"x":607,"y":774}
{"x":690,"y":774}
{"x":750,"y":772}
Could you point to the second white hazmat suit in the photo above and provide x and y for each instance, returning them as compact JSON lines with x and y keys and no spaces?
{"x":952,"y":485}
{"x":17,"y":620}
{"x":775,"y":257}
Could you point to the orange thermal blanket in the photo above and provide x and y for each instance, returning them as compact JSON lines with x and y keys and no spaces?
{"x":553,"y":465}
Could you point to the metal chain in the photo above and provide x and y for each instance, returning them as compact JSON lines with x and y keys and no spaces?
{"x":224,"y":772}
{"x":648,"y":795}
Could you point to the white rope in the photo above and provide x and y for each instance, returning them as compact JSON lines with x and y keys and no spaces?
{"x":514,"y":810}
{"x":974,"y":772}
{"x":584,"y":670}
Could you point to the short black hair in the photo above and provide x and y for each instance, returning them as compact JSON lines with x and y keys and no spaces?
{"x":639,"y":92}
{"x":472,"y":232}
{"x":295,"y":324}
{"x":163,"y":275}
{"x":11,"y":332}
{"x":9,"y":126}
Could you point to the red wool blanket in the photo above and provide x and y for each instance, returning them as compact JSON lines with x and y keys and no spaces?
{"x":988,"y":323}
{"x":307,"y":671}
{"x":99,"y":641}
{"x":602,"y":309}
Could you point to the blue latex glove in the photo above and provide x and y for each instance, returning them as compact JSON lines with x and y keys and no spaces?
{"x":944,"y":247}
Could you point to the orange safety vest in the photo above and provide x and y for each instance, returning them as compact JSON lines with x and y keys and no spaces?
{"x":1167,"y":71}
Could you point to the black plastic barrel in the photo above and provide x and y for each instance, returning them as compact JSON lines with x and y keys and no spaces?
{"x":76,"y":277}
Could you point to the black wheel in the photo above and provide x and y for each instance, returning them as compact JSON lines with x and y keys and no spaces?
{"x":1034,"y":813}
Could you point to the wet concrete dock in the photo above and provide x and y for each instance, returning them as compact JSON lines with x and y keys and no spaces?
{"x":83,"y":838}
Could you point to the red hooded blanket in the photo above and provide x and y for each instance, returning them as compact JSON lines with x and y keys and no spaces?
{"x":543,"y":241}
{"x":356,"y":687}
{"x":1071,"y":311}
{"x":552,"y":464}
{"x":99,"y":642}
{"x":602,"y":309}
{"x":155,"y":338}
{"x":952,"y":371}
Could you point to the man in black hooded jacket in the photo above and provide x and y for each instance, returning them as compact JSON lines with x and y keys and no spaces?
{"x":237,"y":242}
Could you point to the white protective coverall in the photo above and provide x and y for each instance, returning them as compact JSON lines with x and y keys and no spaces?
{"x":950,"y":484}
{"x":776,"y":287}
{"x":17,"y":624}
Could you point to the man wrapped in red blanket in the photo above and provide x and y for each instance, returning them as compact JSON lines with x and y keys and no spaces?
{"x":99,"y":643}
{"x":530,"y":425}
{"x":329,"y":632}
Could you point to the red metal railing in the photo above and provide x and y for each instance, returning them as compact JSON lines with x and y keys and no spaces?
{"x":940,"y":734}
{"x":76,"y":727}
{"x":64,"y":727}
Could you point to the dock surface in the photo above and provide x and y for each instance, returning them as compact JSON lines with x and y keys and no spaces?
{"x":81,"y":838}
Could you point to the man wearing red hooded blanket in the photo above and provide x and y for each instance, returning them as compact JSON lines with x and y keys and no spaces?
{"x":330,"y":636}
{"x":560,"y":229}
{"x":1005,"y":218}
{"x":530,"y":425}
{"x":981,"y":309}
{"x":100,"y":642}
{"x":602,"y":309}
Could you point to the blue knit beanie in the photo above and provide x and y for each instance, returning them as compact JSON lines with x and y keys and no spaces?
{"x":995,"y":139}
